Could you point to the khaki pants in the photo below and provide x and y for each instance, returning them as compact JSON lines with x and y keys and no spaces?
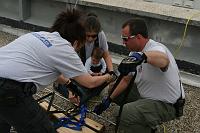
{"x":141,"y":115}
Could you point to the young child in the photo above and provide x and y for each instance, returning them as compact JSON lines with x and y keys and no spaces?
{"x":95,"y":64}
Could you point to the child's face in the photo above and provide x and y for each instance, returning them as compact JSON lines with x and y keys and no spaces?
{"x":95,"y":61}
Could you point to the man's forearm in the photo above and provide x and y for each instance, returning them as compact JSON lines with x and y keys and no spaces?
{"x":92,"y":81}
{"x":121,"y":86}
{"x":108,"y":61}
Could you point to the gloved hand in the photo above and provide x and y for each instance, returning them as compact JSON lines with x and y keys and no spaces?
{"x":140,"y":57}
{"x":114,"y":76}
{"x":102,"y":106}
{"x":112,"y":73}
{"x":130,"y":63}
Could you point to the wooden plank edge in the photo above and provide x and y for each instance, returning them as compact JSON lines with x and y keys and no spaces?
{"x":92,"y":124}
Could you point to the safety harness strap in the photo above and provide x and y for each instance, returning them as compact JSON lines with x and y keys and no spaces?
{"x":69,"y":122}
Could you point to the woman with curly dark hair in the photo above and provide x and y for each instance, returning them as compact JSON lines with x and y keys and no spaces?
{"x":35,"y":60}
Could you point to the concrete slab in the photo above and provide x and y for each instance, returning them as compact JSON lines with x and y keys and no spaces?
{"x":146,"y":9}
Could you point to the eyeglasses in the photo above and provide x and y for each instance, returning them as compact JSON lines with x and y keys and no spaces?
{"x":126,"y":38}
{"x":93,"y":36}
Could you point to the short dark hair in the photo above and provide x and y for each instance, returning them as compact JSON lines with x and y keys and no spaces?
{"x":137,"y":26}
{"x":69,"y":24}
{"x":92,"y":23}
{"x":97,"y":53}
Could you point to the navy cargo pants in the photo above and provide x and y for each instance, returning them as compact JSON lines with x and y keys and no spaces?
{"x":19,"y":109}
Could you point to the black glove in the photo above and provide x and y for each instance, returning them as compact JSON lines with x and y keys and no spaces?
{"x":130,"y":63}
{"x":114,"y":76}
{"x":102,"y":106}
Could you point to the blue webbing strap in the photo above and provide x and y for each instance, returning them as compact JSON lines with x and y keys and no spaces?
{"x":69,"y":122}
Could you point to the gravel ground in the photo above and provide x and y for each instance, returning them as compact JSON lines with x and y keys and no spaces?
{"x":189,"y":123}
